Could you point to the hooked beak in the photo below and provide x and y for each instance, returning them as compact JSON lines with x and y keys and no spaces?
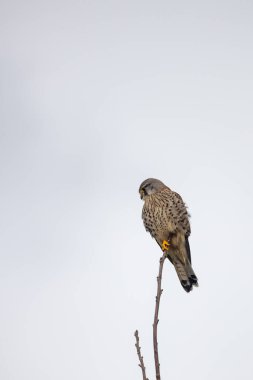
{"x":141,"y":194}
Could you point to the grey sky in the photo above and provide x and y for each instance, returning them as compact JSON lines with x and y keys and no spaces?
{"x":96,"y":97}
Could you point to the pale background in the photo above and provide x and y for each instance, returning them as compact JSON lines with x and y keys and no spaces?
{"x":96,"y":96}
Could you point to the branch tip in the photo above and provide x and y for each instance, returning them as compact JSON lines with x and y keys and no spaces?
{"x":138,"y":349}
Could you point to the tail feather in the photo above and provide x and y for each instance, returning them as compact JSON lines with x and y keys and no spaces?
{"x":185,"y":274}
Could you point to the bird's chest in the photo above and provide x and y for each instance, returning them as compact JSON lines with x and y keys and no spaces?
{"x":155,"y":218}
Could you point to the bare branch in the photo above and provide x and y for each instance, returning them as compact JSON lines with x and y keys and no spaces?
{"x":138,"y":349}
{"x":156,"y":320}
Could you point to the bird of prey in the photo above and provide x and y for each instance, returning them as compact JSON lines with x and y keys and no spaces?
{"x":166,"y":218}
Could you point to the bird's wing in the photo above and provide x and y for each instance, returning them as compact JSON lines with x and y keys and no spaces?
{"x":180,"y":214}
{"x":181,"y":218}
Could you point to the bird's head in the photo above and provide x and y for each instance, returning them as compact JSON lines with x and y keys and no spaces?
{"x":150,"y":186}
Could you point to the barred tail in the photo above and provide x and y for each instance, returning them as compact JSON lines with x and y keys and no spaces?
{"x":185,"y":274}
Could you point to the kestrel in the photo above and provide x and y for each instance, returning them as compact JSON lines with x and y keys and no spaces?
{"x":166,"y":218}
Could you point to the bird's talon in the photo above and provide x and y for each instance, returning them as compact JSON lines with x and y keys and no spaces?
{"x":165,"y":245}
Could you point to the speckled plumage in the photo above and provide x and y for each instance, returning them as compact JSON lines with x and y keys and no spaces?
{"x":165,"y":217}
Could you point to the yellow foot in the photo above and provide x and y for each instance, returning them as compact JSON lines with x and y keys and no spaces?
{"x":165,"y":245}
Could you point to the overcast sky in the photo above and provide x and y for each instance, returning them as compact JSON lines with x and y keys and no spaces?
{"x":95,"y":97}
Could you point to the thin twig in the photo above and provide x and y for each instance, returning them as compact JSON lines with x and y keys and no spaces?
{"x":137,"y":345}
{"x":156,"y":320}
